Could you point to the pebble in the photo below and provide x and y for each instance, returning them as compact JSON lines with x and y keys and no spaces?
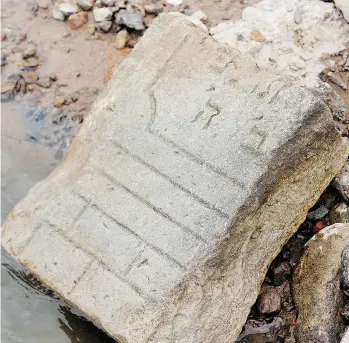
{"x":318,"y":226}
{"x":30,"y":51}
{"x":200,"y":15}
{"x":102,"y":14}
{"x":339,"y":213}
{"x":29,"y":76}
{"x":3,"y":36}
{"x":121,"y":39}
{"x":174,"y":2}
{"x":269,"y":302}
{"x":85,"y":4}
{"x":8,"y":87}
{"x":75,"y":21}
{"x":30,"y":88}
{"x":256,"y":36}
{"x":57,"y":14}
{"x":91,"y":29}
{"x":150,"y":9}
{"x":108,"y":3}
{"x":104,"y":26}
{"x":44,"y":82}
{"x":317,"y":214}
{"x":68,"y":8}
{"x":281,"y":273}
{"x":59,"y":101}
{"x":31,"y":62}
{"x":131,"y":20}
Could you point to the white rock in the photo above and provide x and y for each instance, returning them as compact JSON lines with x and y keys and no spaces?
{"x":102,"y":14}
{"x":292,"y":29}
{"x":174,"y":2}
{"x":85,"y":4}
{"x":57,"y":14}
{"x":68,"y":8}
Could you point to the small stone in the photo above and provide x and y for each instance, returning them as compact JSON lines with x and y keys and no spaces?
{"x":297,"y":16}
{"x":22,"y":37}
{"x":148,"y":20}
{"x":3,"y":36}
{"x":269,"y":302}
{"x":339,"y":213}
{"x":108,"y":3}
{"x":102,"y":14}
{"x":129,"y":19}
{"x":57,"y":13}
{"x":318,"y":226}
{"x":121,"y":39}
{"x":317,"y":214}
{"x":68,"y":8}
{"x":85,"y":4}
{"x":150,"y":9}
{"x":256,"y":36}
{"x":75,"y":21}
{"x":91,"y":29}
{"x":30,"y":88}
{"x":59,"y":101}
{"x":67,"y":34}
{"x":104,"y":26}
{"x":174,"y":2}
{"x":281,"y":273}
{"x":8,"y":87}
{"x":200,"y":15}
{"x":74,"y":97}
{"x":44,"y":82}
{"x":30,"y":51}
{"x":29,"y":76}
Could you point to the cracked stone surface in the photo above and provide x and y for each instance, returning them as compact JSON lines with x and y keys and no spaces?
{"x":192,"y":170}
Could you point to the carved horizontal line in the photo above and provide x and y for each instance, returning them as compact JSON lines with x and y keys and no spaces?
{"x":129,"y":230}
{"x":151,"y":206}
{"x":96,"y":258}
{"x":197,"y":160}
{"x":166,"y":177}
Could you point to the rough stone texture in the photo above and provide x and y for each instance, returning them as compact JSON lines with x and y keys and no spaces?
{"x":191,"y":172}
{"x":341,"y":182}
{"x":343,"y":5}
{"x":296,"y":33}
{"x":316,"y":287}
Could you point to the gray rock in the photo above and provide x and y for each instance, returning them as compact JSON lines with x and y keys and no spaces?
{"x":68,"y":8}
{"x":339,"y":213}
{"x":318,"y":214}
{"x":281,"y":273}
{"x":316,"y":286}
{"x":192,"y":170}
{"x":102,"y":14}
{"x":345,"y":312}
{"x":104,"y":26}
{"x":57,"y":14}
{"x":86,"y":5}
{"x":341,"y":182}
{"x":132,"y":20}
{"x":30,"y":51}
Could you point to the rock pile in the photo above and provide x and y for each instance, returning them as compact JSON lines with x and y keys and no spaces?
{"x":124,"y":16}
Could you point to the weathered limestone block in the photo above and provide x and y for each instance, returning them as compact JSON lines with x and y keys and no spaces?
{"x":316,"y":287}
{"x":191,"y":172}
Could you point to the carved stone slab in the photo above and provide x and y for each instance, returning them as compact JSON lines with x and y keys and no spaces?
{"x":192,"y":170}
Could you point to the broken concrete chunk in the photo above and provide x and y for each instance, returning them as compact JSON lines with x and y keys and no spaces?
{"x":181,"y":187}
{"x":316,"y":287}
